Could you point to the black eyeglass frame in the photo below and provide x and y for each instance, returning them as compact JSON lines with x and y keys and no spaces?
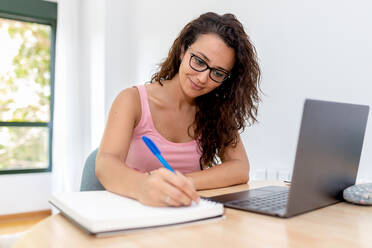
{"x":208,"y":67}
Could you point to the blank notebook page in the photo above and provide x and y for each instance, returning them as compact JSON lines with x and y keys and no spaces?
{"x":99,"y":211}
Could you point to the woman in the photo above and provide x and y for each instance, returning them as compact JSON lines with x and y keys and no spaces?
{"x":202,"y":96}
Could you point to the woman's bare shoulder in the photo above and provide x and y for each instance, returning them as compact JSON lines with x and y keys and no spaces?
{"x":127,"y":94}
{"x":128,"y":101}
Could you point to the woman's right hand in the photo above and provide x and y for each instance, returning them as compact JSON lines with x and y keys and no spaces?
{"x":164,"y":188}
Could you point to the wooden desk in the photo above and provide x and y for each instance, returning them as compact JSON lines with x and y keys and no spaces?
{"x":339,"y":225}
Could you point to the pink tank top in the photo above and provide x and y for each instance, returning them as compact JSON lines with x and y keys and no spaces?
{"x":183,"y":157}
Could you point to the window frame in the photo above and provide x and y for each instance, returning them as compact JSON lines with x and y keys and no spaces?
{"x":41,"y":12}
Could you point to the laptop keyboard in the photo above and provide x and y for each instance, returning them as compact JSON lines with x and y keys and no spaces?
{"x":271,"y":201}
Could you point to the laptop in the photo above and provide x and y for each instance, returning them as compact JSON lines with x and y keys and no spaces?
{"x":327,"y":159}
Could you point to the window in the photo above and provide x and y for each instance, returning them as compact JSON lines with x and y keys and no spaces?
{"x":27,"y":38}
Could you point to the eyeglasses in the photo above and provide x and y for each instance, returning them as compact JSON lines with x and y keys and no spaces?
{"x":199,"y":65}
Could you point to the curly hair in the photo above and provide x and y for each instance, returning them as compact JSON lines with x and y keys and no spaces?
{"x":224,"y":112}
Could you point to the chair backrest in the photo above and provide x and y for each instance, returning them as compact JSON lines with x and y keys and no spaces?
{"x":89,"y":181}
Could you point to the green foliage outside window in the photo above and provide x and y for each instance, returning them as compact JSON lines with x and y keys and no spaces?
{"x":25,"y":94}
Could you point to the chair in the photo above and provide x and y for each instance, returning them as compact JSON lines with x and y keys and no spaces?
{"x":89,"y":180}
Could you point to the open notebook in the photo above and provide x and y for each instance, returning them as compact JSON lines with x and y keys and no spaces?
{"x":102,"y":213}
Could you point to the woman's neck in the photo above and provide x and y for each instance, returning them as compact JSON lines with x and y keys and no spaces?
{"x":176,"y":95}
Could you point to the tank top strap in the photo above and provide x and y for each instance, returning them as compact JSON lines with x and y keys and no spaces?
{"x":146,"y":118}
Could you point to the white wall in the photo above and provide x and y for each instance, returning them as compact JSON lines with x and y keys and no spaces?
{"x":24,"y":192}
{"x":307,"y":49}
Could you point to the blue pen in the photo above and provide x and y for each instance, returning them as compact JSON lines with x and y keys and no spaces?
{"x":151,"y":145}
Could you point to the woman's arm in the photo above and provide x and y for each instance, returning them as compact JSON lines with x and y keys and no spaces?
{"x":117,"y":177}
{"x":110,"y":162}
{"x":234,"y":169}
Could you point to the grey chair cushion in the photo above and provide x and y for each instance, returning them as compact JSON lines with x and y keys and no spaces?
{"x":359,"y":194}
{"x":89,"y":181}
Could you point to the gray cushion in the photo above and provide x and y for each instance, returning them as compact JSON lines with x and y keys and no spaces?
{"x":359,"y":194}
